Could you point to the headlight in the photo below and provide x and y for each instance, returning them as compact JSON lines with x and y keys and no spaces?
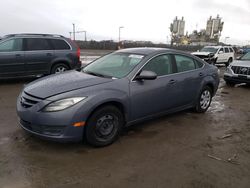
{"x":62,"y":104}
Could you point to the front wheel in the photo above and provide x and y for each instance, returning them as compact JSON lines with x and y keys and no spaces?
{"x":104,"y":126}
{"x":230,"y":84}
{"x":204,"y":100}
{"x":230,"y":60}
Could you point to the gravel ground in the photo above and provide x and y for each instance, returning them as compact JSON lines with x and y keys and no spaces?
{"x":185,"y":150}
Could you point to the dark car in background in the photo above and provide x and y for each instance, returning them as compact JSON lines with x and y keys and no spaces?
{"x":119,"y":89}
{"x":37,"y":54}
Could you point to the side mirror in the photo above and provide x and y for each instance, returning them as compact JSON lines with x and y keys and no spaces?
{"x":146,"y":75}
{"x":221,"y":52}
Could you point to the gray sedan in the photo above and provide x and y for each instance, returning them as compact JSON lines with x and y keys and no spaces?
{"x":117,"y":90}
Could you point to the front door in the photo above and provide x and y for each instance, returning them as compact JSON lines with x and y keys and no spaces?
{"x":149,"y":97}
{"x":221,"y":56}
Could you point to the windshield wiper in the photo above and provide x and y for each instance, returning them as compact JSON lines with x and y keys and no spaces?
{"x":97,"y":74}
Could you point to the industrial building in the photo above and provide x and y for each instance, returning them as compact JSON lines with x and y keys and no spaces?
{"x":208,"y":36}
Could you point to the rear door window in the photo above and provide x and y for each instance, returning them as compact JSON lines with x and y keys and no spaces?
{"x":226,"y":50}
{"x":59,"y":44}
{"x":184,"y":63}
{"x":34,"y":44}
{"x":231,"y":50}
{"x":11,"y":45}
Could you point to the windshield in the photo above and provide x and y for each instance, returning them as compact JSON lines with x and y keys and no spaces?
{"x":209,"y":49}
{"x":246,"y":56}
{"x":115,"y":65}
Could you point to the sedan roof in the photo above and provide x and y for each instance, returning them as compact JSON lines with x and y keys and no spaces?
{"x":144,"y":51}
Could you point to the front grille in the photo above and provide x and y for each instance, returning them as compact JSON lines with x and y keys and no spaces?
{"x":241,"y":70}
{"x":28,"y":100}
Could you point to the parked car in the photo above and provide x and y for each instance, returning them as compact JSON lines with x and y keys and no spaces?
{"x":216,"y":54}
{"x":37,"y":54}
{"x":116,"y":90}
{"x":238,"y":71}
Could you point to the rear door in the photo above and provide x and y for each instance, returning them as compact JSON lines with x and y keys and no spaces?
{"x":188,"y":79}
{"x":12,"y":58}
{"x":39,"y":54}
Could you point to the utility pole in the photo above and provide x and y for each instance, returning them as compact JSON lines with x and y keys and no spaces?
{"x":74,"y":32}
{"x":119,"y":39}
{"x":85,"y":34}
{"x":121,"y":27}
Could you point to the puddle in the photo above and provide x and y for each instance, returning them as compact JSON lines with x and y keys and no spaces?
{"x":4,"y":140}
{"x":216,"y":105}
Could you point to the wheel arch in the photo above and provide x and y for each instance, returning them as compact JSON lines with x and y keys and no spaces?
{"x":119,"y":105}
{"x":211,"y":86}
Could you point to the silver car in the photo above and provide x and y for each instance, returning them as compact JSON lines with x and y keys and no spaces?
{"x":238,"y":71}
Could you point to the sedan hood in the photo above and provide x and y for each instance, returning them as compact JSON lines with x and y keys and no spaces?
{"x":241,"y":63}
{"x":202,"y":53}
{"x":61,"y":83}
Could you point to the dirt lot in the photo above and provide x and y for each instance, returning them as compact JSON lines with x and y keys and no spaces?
{"x":172,"y":151}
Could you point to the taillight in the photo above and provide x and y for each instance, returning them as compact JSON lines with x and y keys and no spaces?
{"x":78,"y":53}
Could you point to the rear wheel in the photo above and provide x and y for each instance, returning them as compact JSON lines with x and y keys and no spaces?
{"x":204,"y":100}
{"x":59,"y":68}
{"x":104,"y":126}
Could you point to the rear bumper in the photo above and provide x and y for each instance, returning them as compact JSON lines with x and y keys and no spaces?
{"x":78,"y":66}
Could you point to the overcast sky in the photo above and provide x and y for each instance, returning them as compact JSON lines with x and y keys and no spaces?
{"x":142,"y":20}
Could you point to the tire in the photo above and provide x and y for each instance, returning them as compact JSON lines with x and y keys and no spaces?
{"x":215,"y":60}
{"x":204,"y":100}
{"x":230,"y":84}
{"x":230,"y":60}
{"x":104,"y":126}
{"x":59,"y":68}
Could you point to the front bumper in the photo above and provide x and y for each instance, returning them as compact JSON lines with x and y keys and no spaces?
{"x":53,"y":133}
{"x":54,"y":126}
{"x":237,"y":79}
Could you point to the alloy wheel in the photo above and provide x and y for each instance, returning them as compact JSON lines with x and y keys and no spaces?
{"x":205,"y":99}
